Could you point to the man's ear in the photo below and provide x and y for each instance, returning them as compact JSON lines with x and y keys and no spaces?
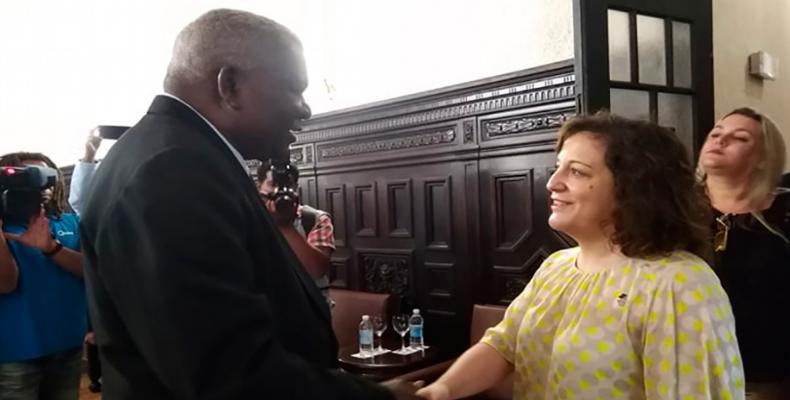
{"x":228,"y":86}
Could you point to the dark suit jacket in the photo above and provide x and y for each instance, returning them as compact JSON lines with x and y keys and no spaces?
{"x":193,"y":292}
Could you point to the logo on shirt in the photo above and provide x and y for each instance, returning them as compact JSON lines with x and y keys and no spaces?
{"x":65,"y":233}
{"x":621,"y":298}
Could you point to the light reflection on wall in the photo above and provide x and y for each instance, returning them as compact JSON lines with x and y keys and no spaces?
{"x":70,"y":65}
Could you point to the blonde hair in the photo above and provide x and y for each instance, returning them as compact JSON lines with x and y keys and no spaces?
{"x":764,"y":180}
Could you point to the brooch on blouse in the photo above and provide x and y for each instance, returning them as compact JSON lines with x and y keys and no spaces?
{"x":621,"y":298}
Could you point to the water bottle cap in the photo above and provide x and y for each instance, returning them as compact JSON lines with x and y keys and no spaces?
{"x":416,"y":311}
{"x":365,"y":317}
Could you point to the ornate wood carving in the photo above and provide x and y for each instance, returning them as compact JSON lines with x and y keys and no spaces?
{"x":297,"y":156}
{"x":302,"y":156}
{"x":469,"y":131}
{"x":462,"y":211}
{"x":515,"y":95}
{"x":308,"y":154}
{"x":357,"y":147}
{"x":386,"y":272}
{"x":515,"y":126}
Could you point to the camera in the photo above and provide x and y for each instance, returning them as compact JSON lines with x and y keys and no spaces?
{"x":285,"y":179}
{"x":20,"y":191}
{"x":113,"y":132}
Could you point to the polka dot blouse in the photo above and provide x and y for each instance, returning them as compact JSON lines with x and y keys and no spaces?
{"x":648,"y":329}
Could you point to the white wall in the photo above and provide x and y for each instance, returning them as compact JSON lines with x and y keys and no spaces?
{"x":743,"y":27}
{"x":67,"y":66}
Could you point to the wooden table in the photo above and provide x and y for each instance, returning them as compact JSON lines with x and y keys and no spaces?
{"x":386,"y":366}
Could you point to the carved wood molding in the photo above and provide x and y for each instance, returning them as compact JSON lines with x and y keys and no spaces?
{"x":477,"y":98}
{"x":302,"y":155}
{"x":469,"y":131}
{"x":442,"y":136}
{"x":525,"y":124}
{"x":386,"y":271}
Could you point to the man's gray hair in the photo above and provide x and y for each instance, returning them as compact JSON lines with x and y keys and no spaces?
{"x":222,"y":37}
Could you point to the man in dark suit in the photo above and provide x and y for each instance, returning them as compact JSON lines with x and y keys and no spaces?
{"x":193,"y":292}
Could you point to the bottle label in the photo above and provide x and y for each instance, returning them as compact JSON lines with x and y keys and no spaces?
{"x":366,"y":337}
{"x":416,"y":331}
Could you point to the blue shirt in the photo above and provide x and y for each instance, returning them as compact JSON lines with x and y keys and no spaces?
{"x":47,"y":313}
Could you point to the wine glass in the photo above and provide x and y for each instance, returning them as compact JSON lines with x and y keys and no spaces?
{"x":400,"y":323}
{"x":379,"y":326}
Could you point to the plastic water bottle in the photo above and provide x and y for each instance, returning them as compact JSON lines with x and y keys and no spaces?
{"x":415,"y":330}
{"x":366,"y":336}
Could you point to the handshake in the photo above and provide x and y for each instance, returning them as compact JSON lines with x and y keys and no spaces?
{"x":415,"y":390}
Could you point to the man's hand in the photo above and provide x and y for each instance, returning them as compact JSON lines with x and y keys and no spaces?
{"x":37,"y":235}
{"x":403,"y":390}
{"x":282,"y":217}
{"x":92,"y":145}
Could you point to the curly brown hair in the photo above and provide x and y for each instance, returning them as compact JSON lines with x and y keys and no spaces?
{"x":660,"y":207}
{"x":57,"y":205}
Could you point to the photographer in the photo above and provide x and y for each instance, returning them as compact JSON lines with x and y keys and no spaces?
{"x":42,"y":305}
{"x":308,"y":231}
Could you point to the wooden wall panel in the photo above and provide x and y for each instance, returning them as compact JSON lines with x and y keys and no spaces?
{"x":440,"y":198}
{"x":399,"y":209}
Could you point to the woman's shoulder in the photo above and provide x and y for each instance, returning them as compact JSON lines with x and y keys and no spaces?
{"x":778,"y":214}
{"x":679,"y":269}
{"x":562,"y":257}
{"x":556,"y":262}
{"x":65,"y":220}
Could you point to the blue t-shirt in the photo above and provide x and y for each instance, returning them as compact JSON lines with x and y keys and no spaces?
{"x":47,"y":313}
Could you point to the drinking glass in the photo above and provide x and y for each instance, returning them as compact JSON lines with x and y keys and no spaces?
{"x":400,"y":323}
{"x":379,"y":326}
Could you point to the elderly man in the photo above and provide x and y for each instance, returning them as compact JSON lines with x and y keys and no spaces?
{"x":194,"y":294}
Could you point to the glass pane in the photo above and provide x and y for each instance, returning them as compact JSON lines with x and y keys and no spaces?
{"x":630,"y":103}
{"x":681,"y":53}
{"x":676,"y":111}
{"x":651,"y":49}
{"x":619,"y":48}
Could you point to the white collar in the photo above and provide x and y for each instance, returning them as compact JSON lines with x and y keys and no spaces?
{"x":214,"y":128}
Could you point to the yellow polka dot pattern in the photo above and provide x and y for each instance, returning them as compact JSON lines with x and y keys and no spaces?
{"x":650,"y":329}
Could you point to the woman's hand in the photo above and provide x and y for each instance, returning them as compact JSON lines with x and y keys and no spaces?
{"x":37,"y":235}
{"x":435,"y":391}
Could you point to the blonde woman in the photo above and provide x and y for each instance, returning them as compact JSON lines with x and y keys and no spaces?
{"x":741,"y":166}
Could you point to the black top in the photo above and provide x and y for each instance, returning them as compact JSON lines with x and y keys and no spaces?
{"x":193,"y":292}
{"x":755,"y":271}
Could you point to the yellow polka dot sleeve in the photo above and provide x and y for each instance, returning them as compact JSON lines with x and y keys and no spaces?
{"x":503,"y":336}
{"x":690,"y":350}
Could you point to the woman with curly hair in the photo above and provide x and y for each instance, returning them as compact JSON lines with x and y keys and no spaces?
{"x":633,"y":312}
{"x":43,"y":311}
{"x":741,"y":166}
